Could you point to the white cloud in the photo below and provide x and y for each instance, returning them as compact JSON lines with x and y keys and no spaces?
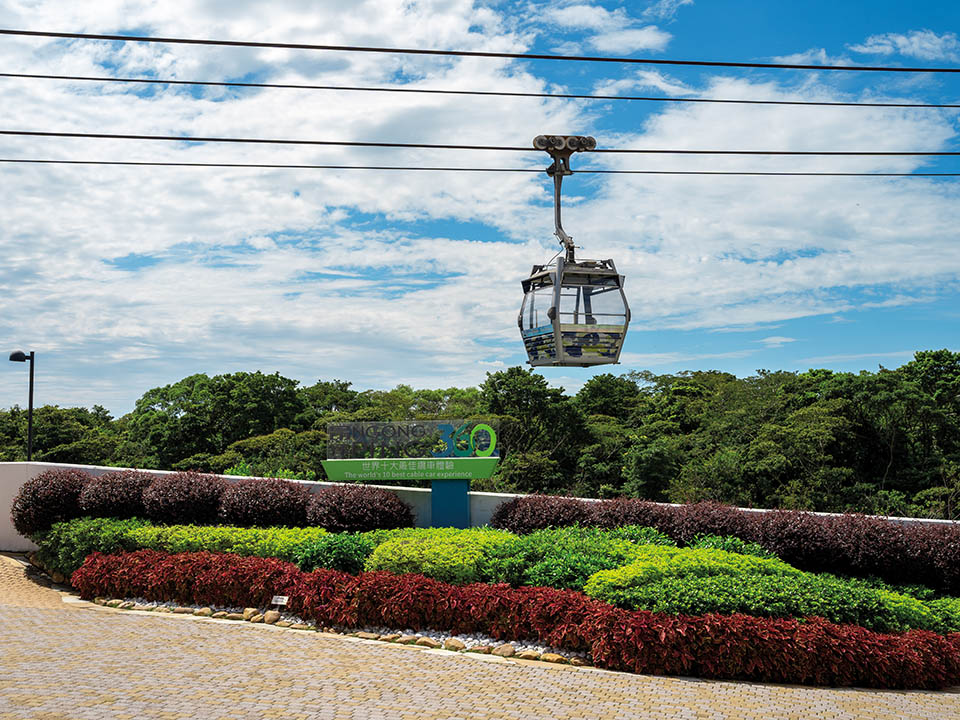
{"x":640,"y":80}
{"x":631,"y":40}
{"x":591,"y":17}
{"x":813,"y":56}
{"x":920,"y":44}
{"x":665,"y":9}
{"x":775,"y":341}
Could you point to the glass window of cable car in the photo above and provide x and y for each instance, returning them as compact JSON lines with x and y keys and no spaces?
{"x":536,"y":305}
{"x":597,"y":302}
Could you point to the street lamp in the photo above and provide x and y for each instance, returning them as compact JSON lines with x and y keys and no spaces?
{"x":20,"y":356}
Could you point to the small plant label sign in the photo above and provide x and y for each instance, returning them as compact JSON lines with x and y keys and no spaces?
{"x":279,"y":600}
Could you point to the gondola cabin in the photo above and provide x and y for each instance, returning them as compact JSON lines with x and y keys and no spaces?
{"x":574,"y":313}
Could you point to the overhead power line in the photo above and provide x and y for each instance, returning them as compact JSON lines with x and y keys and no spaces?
{"x":281,"y":166}
{"x":469,"y":53}
{"x":446,"y":146}
{"x":480,"y":93}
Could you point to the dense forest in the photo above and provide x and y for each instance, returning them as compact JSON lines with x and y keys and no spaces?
{"x":880,"y":442}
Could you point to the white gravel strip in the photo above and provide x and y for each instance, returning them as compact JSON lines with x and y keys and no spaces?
{"x":471,"y":640}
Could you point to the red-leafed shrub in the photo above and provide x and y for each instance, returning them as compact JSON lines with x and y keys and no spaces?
{"x":812,"y":651}
{"x":634,"y":511}
{"x":711,"y":518}
{"x":184,"y":498}
{"x":50,"y":497}
{"x":323,"y":596}
{"x":864,"y":545}
{"x":523,"y":515}
{"x":116,"y":494}
{"x":264,"y":502}
{"x":358,"y":508}
{"x":222,"y":579}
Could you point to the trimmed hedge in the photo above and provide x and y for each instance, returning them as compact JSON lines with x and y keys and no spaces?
{"x":346,"y":552}
{"x":50,"y":497}
{"x":734,"y":647}
{"x":263,"y":502}
{"x":848,"y":544}
{"x":281,"y":543}
{"x":356,"y":508}
{"x":445,"y":554}
{"x":195,"y":498}
{"x":776,"y":596}
{"x":211,"y":578}
{"x":117,"y":494}
{"x":696,"y":581}
{"x":523,"y":515}
{"x":565,"y":558}
{"x":64,"y":547}
{"x":184,"y":497}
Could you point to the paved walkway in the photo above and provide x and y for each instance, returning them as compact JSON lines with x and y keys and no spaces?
{"x":77,"y":660}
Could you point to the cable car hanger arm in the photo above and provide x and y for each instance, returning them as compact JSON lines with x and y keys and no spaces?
{"x":560,"y":148}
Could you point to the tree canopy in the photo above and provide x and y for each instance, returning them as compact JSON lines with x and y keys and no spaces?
{"x":879,"y":442}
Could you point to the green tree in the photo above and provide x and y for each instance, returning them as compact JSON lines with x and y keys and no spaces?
{"x":608,"y":394}
{"x":532,"y":416}
{"x":200,"y":414}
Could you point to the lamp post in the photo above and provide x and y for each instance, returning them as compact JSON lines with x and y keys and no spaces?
{"x":20,"y":356}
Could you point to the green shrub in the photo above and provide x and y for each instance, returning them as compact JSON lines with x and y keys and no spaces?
{"x":65,"y":545}
{"x":694,"y":581}
{"x":947,"y":613}
{"x":567,"y":557}
{"x":653,"y":563}
{"x":731,"y":544}
{"x":445,"y":554}
{"x":801,"y":595}
{"x":920,"y":592}
{"x":282,"y":543}
{"x":347,"y":552}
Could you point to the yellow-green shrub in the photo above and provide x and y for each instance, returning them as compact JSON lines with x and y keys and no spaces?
{"x":446,"y":554}
{"x":282,"y":543}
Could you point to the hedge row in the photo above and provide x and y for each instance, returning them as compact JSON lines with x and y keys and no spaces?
{"x":193,"y":498}
{"x":620,"y":567}
{"x":847,"y":544}
{"x":694,"y":581}
{"x":64,"y":547}
{"x":732,"y":647}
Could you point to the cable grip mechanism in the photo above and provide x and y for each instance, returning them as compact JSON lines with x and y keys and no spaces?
{"x":560,"y":148}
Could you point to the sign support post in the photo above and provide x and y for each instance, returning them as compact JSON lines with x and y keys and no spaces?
{"x":450,"y":503}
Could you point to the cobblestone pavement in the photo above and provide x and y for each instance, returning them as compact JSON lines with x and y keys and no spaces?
{"x":62,"y":658}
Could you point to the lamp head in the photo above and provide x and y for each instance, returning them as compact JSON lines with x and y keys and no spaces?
{"x":18,"y":356}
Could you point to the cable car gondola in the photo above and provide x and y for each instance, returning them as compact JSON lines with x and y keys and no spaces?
{"x":574,"y":312}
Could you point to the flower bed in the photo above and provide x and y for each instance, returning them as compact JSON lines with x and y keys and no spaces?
{"x":716,"y":646}
{"x":633,"y":568}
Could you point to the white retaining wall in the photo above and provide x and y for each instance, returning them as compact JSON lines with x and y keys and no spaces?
{"x":482,"y":504}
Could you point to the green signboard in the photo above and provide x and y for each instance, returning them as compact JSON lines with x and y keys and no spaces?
{"x":373,"y":470}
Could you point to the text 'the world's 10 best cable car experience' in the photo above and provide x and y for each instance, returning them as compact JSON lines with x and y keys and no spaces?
{"x":574,"y":312}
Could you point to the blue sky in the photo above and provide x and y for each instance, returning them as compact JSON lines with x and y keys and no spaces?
{"x":122,"y":279}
